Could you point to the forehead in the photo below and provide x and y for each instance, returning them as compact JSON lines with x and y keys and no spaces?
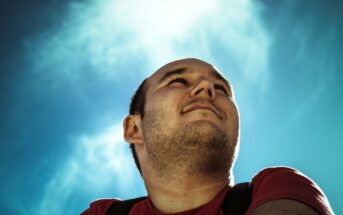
{"x":190,"y":64}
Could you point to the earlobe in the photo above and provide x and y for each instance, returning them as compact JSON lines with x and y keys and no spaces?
{"x":132,"y":129}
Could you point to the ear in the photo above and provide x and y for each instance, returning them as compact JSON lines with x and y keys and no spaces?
{"x":133,"y":130}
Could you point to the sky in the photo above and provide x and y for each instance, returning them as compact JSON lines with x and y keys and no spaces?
{"x":69,"y":68}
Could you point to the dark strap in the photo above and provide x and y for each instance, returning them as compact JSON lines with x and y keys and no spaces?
{"x":124,"y":207}
{"x":236,"y":201}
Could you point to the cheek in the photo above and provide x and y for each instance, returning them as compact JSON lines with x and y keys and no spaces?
{"x":232,"y":116}
{"x":164,"y":101}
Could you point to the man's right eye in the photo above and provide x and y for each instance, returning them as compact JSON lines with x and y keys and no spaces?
{"x":178,"y":80}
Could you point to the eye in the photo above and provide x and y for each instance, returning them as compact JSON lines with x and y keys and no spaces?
{"x":220,"y":88}
{"x":179,"y":80}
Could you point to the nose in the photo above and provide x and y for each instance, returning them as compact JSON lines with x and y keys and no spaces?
{"x":204,"y":88}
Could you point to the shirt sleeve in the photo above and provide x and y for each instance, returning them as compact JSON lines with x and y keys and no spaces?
{"x":287,"y":183}
{"x":99,"y":207}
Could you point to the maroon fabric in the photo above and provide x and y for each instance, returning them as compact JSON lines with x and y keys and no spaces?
{"x":286,"y":183}
{"x":99,"y":207}
{"x":269,"y":184}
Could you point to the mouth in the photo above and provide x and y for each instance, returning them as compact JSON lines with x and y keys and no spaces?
{"x":201,"y":107}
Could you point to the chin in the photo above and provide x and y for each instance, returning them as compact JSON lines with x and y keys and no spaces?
{"x":203,"y":128}
{"x":204,"y":123}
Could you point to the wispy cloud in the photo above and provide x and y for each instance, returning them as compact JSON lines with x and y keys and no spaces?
{"x":102,"y":35}
{"x":312,"y":65}
{"x":98,"y":163}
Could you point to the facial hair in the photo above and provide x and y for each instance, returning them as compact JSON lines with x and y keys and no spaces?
{"x":199,"y":148}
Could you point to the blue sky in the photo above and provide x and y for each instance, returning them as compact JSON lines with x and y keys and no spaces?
{"x":69,"y":68}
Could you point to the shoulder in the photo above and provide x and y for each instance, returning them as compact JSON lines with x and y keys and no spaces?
{"x":280,"y":183}
{"x":100,"y":206}
{"x":280,"y":174}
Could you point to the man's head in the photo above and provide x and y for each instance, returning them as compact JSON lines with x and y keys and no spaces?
{"x":183,"y":118}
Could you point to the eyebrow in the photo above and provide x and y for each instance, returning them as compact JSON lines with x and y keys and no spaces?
{"x":221,"y":78}
{"x":174,"y":72}
{"x":182,"y":70}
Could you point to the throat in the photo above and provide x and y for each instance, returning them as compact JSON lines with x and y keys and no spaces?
{"x":174,"y":197}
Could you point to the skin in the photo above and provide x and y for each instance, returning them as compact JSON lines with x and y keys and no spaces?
{"x":184,"y":187}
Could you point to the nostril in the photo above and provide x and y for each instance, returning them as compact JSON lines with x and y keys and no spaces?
{"x":198,"y":91}
{"x":209,"y":92}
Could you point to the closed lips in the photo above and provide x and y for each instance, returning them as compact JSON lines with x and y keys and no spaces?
{"x":201,"y":107}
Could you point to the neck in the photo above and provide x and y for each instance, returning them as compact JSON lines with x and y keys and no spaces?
{"x":176,"y":194}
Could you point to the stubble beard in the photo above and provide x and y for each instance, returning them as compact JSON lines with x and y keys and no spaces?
{"x":197,"y":149}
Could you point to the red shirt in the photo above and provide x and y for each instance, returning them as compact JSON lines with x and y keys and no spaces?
{"x":269,"y":184}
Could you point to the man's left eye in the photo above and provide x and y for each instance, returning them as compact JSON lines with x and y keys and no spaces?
{"x":220,"y":88}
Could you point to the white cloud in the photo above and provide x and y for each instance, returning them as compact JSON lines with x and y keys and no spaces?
{"x":239,"y":29}
{"x":105,"y":34}
{"x":99,"y":162}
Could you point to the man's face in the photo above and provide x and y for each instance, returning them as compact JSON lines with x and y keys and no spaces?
{"x":190,"y":113}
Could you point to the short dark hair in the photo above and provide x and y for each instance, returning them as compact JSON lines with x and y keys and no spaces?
{"x":137,"y":107}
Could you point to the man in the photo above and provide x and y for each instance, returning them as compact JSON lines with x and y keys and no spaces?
{"x":183,"y":128}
